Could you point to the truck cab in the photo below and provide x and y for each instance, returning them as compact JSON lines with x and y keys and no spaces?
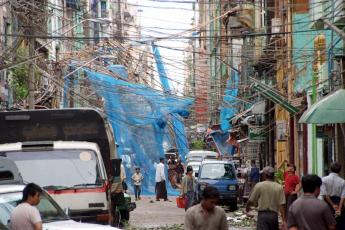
{"x":73,"y":173}
{"x":221,"y":175}
{"x":68,"y":152}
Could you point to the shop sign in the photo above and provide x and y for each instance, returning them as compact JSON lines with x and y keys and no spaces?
{"x":281,"y":130}
{"x":258,"y":133}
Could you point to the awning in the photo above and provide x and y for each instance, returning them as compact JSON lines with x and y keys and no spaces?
{"x":328,"y":110}
{"x":271,"y":95}
{"x":234,"y":119}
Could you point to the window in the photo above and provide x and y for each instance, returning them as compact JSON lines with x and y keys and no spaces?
{"x":58,"y":168}
{"x":48,"y":209}
{"x":104,"y":12}
{"x":7,"y":30}
{"x":6,"y":175}
{"x":218,"y":171}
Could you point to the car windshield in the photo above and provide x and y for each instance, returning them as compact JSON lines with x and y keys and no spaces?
{"x":58,"y":168}
{"x":48,"y":209}
{"x":218,"y":171}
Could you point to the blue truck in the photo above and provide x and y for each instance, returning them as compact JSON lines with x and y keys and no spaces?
{"x":221,"y":175}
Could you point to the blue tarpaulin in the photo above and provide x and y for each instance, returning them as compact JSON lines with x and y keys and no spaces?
{"x":228,"y":111}
{"x":139,"y":116}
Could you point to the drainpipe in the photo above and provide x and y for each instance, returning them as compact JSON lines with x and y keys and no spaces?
{"x":314,"y":143}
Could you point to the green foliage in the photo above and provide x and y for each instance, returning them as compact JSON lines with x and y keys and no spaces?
{"x":19,"y":81}
{"x":279,"y":176}
{"x":197,"y":145}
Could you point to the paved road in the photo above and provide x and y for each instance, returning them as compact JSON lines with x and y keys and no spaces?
{"x":158,"y":215}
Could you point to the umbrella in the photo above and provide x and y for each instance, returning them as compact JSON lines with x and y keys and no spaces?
{"x":330,"y":109}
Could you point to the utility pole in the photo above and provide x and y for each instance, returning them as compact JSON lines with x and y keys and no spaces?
{"x":31,"y":43}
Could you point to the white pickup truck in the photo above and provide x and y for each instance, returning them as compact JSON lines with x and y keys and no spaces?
{"x":68,"y":152}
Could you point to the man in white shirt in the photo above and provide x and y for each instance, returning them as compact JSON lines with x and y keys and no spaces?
{"x":333,"y":192}
{"x":26,"y":216}
{"x":161,"y":190}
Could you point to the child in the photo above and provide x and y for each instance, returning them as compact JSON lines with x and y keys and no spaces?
{"x":137,"y":179}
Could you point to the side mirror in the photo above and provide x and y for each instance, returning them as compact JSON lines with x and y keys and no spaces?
{"x":67,"y":211}
{"x":196,"y":174}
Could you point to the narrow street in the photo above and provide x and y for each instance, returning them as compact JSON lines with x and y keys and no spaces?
{"x":225,"y":101}
{"x":167,"y":216}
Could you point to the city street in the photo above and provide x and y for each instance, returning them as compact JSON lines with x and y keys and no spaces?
{"x":165,"y":215}
{"x":238,"y":102}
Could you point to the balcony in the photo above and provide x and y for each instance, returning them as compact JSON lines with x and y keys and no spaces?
{"x":335,"y":13}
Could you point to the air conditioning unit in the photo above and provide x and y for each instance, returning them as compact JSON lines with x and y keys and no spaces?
{"x":276,"y":25}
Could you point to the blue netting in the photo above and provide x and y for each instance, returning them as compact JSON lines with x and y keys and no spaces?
{"x":119,"y":69}
{"x":139,"y":116}
{"x":228,"y":111}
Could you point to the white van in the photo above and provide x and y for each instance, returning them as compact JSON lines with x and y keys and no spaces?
{"x":199,"y":155}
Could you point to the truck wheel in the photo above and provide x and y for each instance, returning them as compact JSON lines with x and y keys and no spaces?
{"x":125,"y":214}
{"x":233,"y":207}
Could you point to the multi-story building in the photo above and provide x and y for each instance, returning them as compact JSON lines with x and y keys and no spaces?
{"x":317,"y":64}
{"x":5,"y":42}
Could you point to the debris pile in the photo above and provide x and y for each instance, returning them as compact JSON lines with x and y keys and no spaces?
{"x":239,"y":219}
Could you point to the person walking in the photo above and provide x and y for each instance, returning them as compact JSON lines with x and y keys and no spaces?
{"x":161,"y":190}
{"x":232,"y":140}
{"x":137,"y":178}
{"x":179,"y":170}
{"x":333,"y":192}
{"x":254,"y":176}
{"x":206,"y":215}
{"x":269,"y":197}
{"x":308,"y":212}
{"x":292,"y":185}
{"x":188,"y":187}
{"x":26,"y":216}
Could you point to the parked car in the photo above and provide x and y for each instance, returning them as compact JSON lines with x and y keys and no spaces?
{"x":11,"y":193}
{"x":222,"y":175}
{"x":53,"y":217}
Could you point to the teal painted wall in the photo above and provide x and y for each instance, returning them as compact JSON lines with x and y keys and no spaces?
{"x":303,"y":50}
